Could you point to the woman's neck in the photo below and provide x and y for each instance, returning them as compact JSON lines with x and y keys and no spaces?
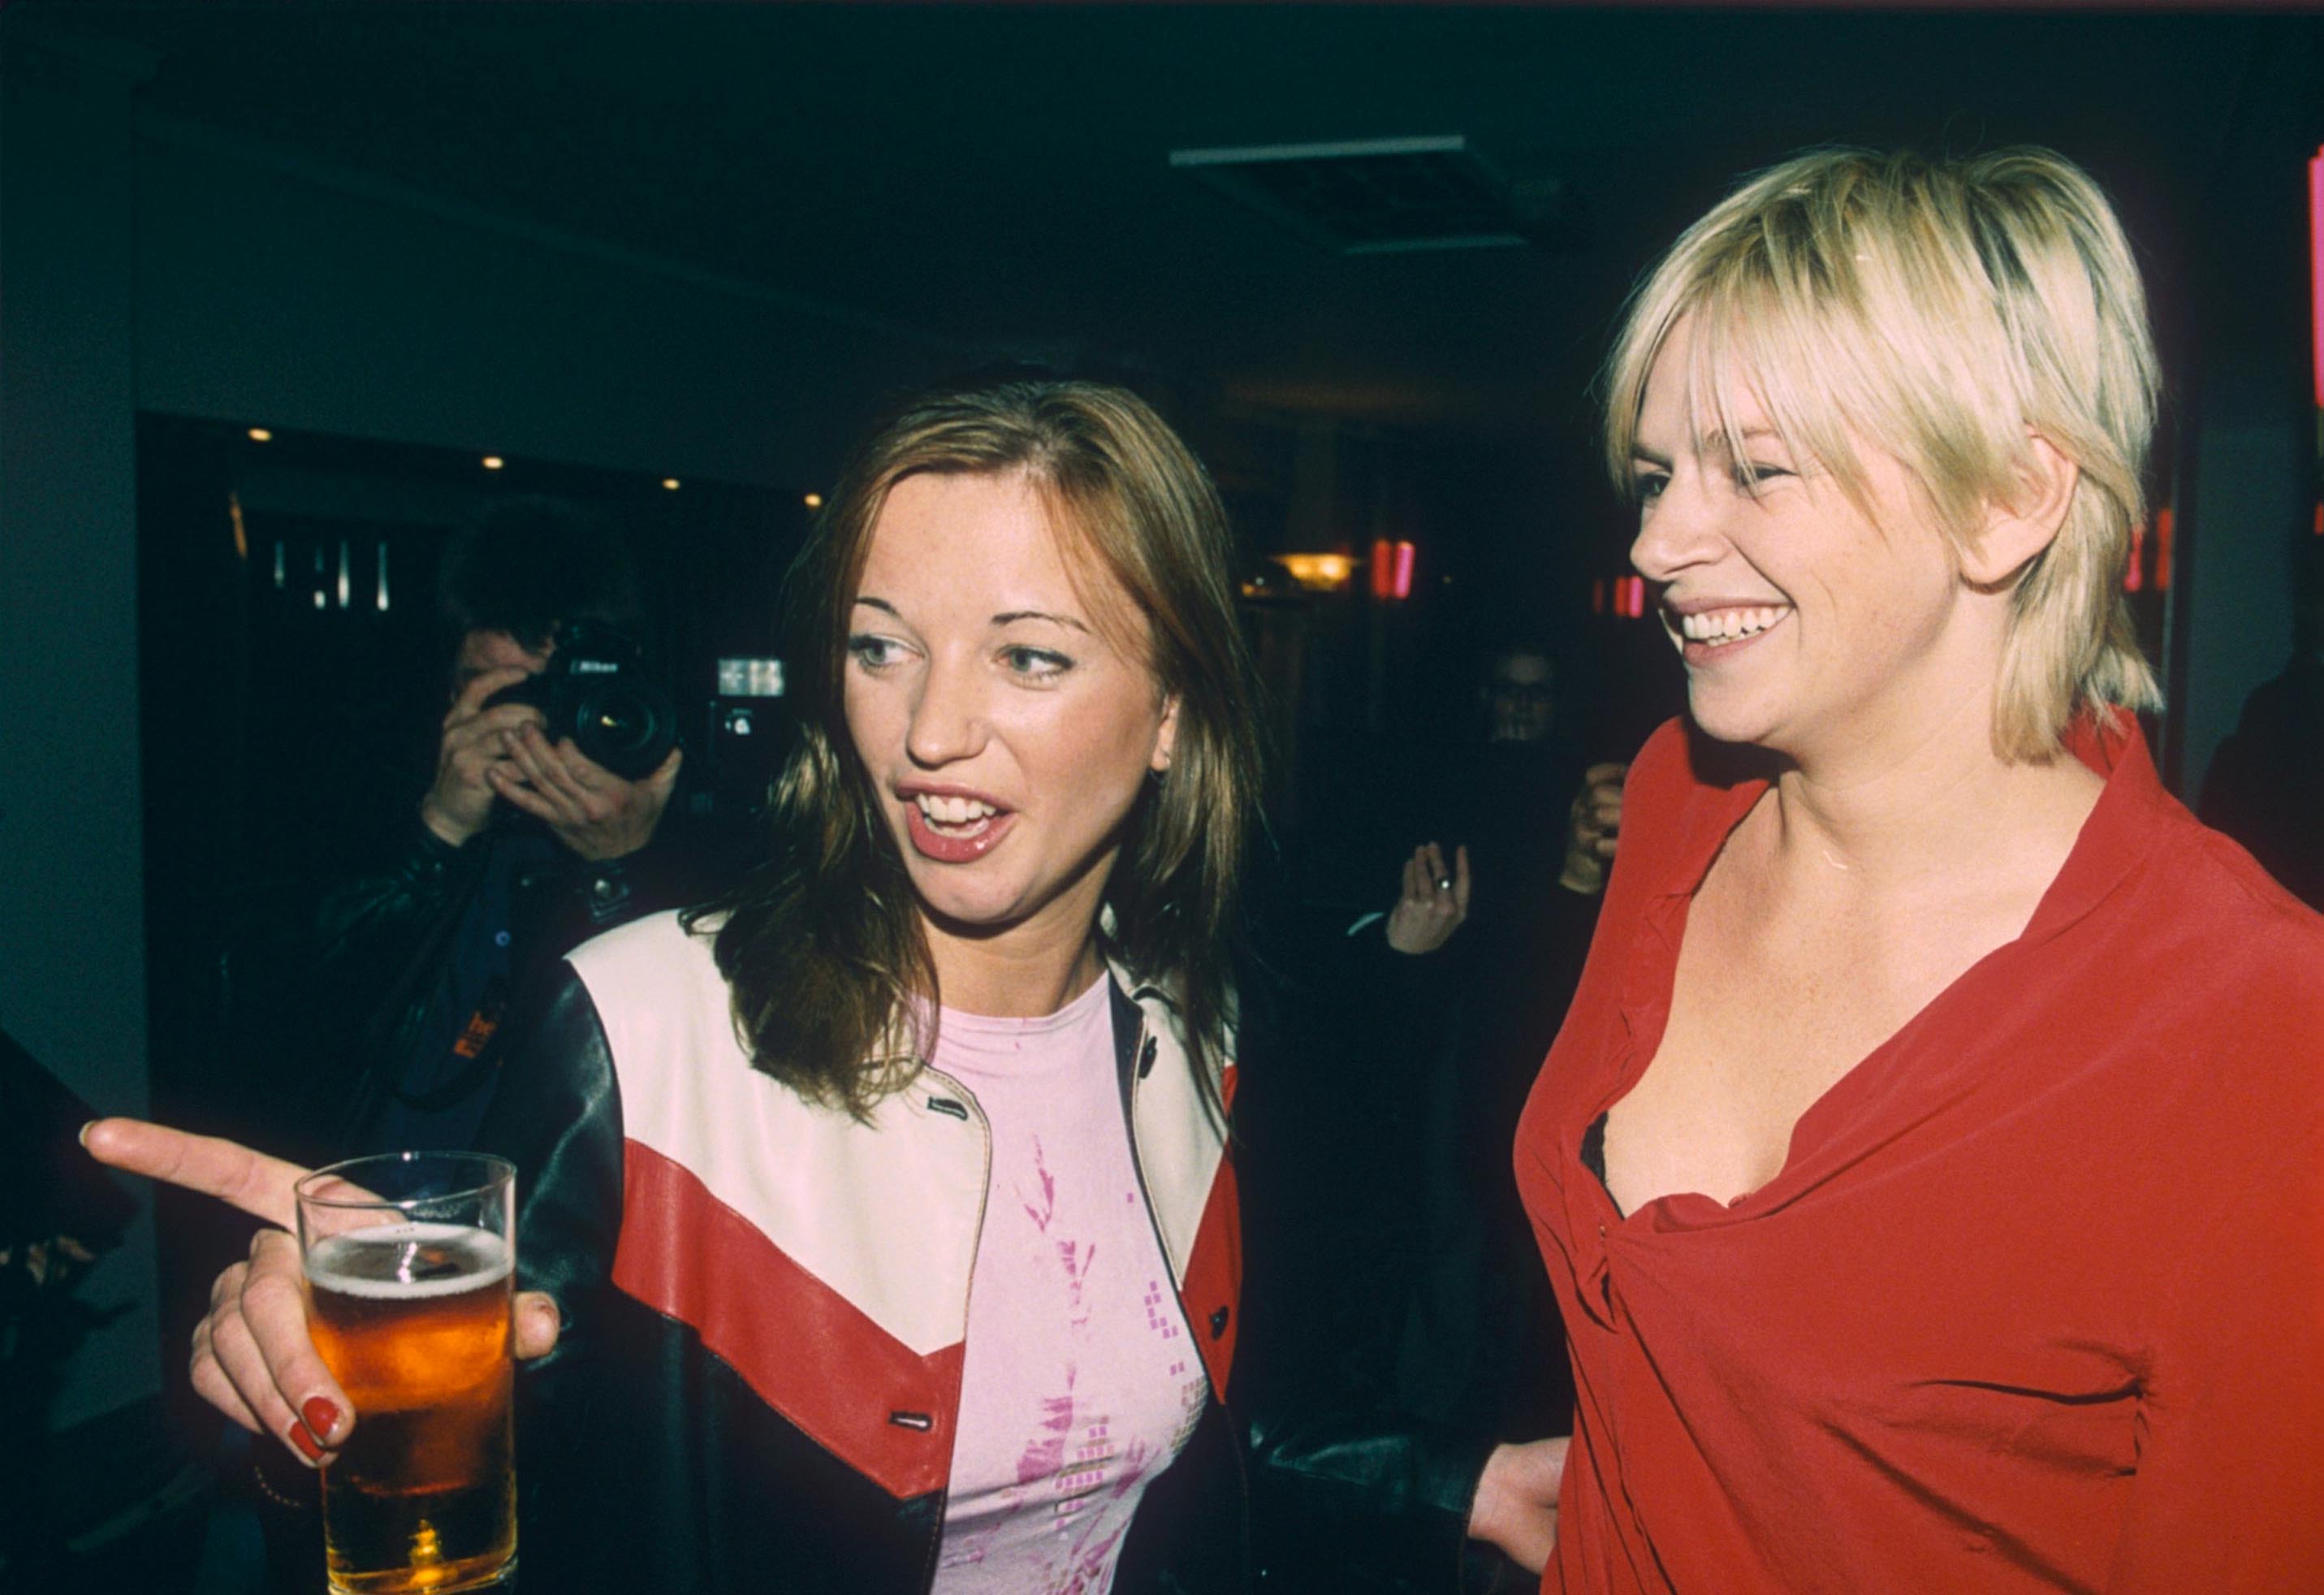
{"x":1027,"y":972}
{"x":1933,"y":805}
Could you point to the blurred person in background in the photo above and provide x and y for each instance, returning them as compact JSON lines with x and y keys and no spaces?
{"x":370,"y":1017}
{"x":2266,"y":786}
{"x":1526,"y":836}
{"x":520,"y":847}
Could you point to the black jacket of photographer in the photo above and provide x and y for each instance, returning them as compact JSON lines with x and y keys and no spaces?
{"x":418,"y":957}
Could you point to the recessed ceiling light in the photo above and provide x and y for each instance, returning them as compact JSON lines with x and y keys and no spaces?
{"x":670,"y":482}
{"x":813,"y":500}
{"x":494,"y":462}
{"x":261,"y":435}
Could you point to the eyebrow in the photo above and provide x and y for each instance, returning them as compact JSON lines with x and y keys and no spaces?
{"x":1008,"y":618}
{"x":1708,"y":442}
{"x":1014,"y":615}
{"x":1715,"y":441}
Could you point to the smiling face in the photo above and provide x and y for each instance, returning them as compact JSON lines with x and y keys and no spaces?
{"x":1003,"y":710}
{"x":1805,"y":624}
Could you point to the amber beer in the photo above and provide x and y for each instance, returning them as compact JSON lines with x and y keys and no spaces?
{"x":411,"y":1312}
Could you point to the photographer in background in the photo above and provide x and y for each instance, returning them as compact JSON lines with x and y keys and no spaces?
{"x":523,"y":846}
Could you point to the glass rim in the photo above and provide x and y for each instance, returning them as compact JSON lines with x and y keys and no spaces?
{"x":499,"y":1172}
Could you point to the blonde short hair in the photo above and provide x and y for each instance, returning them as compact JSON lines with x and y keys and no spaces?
{"x":1944,"y":312}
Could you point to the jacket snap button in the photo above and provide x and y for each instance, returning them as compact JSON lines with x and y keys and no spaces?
{"x":1218,"y":1322}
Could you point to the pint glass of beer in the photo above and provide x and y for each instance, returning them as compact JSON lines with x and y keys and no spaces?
{"x":409,"y":1261}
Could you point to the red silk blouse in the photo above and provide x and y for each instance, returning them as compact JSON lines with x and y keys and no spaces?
{"x":2035,"y":1302}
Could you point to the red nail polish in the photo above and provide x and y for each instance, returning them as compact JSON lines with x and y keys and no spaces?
{"x":296,"y":1434}
{"x":320,"y":1416}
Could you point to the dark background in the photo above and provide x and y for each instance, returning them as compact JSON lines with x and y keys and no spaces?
{"x":614,"y":245}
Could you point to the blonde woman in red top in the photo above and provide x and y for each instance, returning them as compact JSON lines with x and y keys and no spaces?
{"x":1929,"y":1169}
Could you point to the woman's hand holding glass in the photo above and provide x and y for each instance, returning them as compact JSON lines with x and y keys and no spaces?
{"x":254,"y":1357}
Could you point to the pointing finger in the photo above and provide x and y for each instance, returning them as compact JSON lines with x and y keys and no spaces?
{"x":260,"y":1185}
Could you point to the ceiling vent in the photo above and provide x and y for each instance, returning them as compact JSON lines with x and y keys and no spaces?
{"x":1388,"y":195}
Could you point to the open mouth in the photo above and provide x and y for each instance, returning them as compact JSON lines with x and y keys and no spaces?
{"x":1707,"y":631}
{"x":954,"y":829}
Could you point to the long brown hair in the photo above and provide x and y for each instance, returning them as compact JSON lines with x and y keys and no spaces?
{"x":822,"y":945}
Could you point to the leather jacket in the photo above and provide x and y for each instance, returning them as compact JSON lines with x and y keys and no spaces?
{"x":764,"y":1303}
{"x":388,"y":943}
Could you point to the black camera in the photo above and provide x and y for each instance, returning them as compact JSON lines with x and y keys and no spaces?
{"x":594,"y":691}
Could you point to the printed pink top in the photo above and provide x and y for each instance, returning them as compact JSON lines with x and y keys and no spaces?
{"x":1080,"y":1383}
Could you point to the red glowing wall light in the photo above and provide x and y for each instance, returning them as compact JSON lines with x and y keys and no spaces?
{"x":2166,"y":523}
{"x":1392,"y":570}
{"x":1598,"y":596}
{"x":2316,"y":266}
{"x":1630,"y":597}
{"x":2133,"y":576}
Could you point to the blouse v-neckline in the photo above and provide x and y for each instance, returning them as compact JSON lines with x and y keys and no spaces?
{"x":2105,"y":848}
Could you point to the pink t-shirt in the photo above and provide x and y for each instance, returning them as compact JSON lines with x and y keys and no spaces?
{"x":1080,"y":1385}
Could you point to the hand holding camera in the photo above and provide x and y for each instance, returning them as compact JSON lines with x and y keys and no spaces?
{"x":476,"y":737}
{"x":580,"y":740}
{"x":590,"y":809}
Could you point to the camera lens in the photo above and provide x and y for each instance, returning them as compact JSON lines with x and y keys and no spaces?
{"x":629,"y":728}
{"x":620,"y":722}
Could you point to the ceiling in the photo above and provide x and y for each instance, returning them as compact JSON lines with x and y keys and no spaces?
{"x":1001,"y":176}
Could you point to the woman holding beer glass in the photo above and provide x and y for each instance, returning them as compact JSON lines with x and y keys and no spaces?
{"x":877,"y":1221}
{"x":1931,"y":1168}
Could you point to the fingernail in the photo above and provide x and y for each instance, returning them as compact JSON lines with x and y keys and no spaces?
{"x":321,"y":1417}
{"x":85,"y":1130}
{"x":296,"y":1434}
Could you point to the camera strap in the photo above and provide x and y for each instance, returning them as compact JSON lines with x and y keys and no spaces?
{"x":475,"y":1045}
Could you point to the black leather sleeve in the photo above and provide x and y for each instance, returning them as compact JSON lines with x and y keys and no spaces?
{"x":1391,"y":1489}
{"x":556,"y":1115}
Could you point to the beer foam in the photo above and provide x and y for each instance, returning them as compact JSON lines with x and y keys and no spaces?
{"x":374,"y":1263}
